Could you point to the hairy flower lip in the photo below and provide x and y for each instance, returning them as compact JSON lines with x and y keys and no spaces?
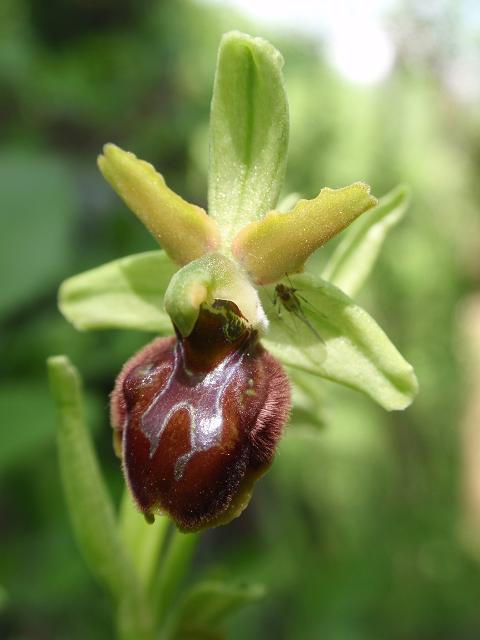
{"x":199,"y":419}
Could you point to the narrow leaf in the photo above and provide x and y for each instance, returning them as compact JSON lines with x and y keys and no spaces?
{"x":126,"y":293}
{"x":281,"y":242}
{"x":248,"y":132}
{"x":90,"y":507}
{"x":334,"y":338}
{"x":88,"y":502}
{"x":183,"y":230}
{"x":209,"y":604}
{"x":355,"y":256}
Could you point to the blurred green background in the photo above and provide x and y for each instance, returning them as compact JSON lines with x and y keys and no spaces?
{"x":364,"y":527}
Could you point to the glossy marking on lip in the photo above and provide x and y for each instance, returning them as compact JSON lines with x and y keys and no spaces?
{"x":205,"y":417}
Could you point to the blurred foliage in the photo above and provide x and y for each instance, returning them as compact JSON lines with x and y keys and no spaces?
{"x":354,"y":530}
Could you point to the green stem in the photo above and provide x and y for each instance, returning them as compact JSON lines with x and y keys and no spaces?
{"x":173,"y":570}
{"x":143,"y":540}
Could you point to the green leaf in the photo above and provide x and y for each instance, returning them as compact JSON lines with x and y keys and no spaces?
{"x":207,"y":606}
{"x":280,"y":243}
{"x":87,"y":498}
{"x":38,"y":207}
{"x":89,"y":504}
{"x":353,"y":350}
{"x":143,"y":540}
{"x":126,"y":293}
{"x":355,"y":256}
{"x":184,"y":230}
{"x":248,"y":132}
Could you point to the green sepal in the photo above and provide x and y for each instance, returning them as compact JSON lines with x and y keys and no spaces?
{"x":213,"y":277}
{"x":126,"y":293}
{"x":308,"y":400}
{"x":280,"y":243}
{"x":334,"y":338}
{"x":355,"y":256}
{"x":182,"y":229}
{"x":248,"y":132}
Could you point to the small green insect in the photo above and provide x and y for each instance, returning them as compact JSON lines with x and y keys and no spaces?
{"x":289,"y":299}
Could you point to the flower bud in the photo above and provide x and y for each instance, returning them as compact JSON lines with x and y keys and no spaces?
{"x":198,"y":419}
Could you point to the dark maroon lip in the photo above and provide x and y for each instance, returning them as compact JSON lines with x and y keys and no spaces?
{"x":200,"y":418}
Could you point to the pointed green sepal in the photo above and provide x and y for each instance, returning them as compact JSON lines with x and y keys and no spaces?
{"x":355,"y":256}
{"x":328,"y":335}
{"x":183,"y":230}
{"x":213,"y":277}
{"x":248,"y":132}
{"x":126,"y":294}
{"x":281,"y":242}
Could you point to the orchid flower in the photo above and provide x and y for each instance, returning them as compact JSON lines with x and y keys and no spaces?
{"x":198,"y":412}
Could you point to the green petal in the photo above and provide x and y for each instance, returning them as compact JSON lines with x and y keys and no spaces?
{"x":281,"y":242}
{"x":126,"y":293}
{"x":183,"y":230}
{"x":248,"y":132}
{"x":353,"y":260}
{"x":353,"y":350}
